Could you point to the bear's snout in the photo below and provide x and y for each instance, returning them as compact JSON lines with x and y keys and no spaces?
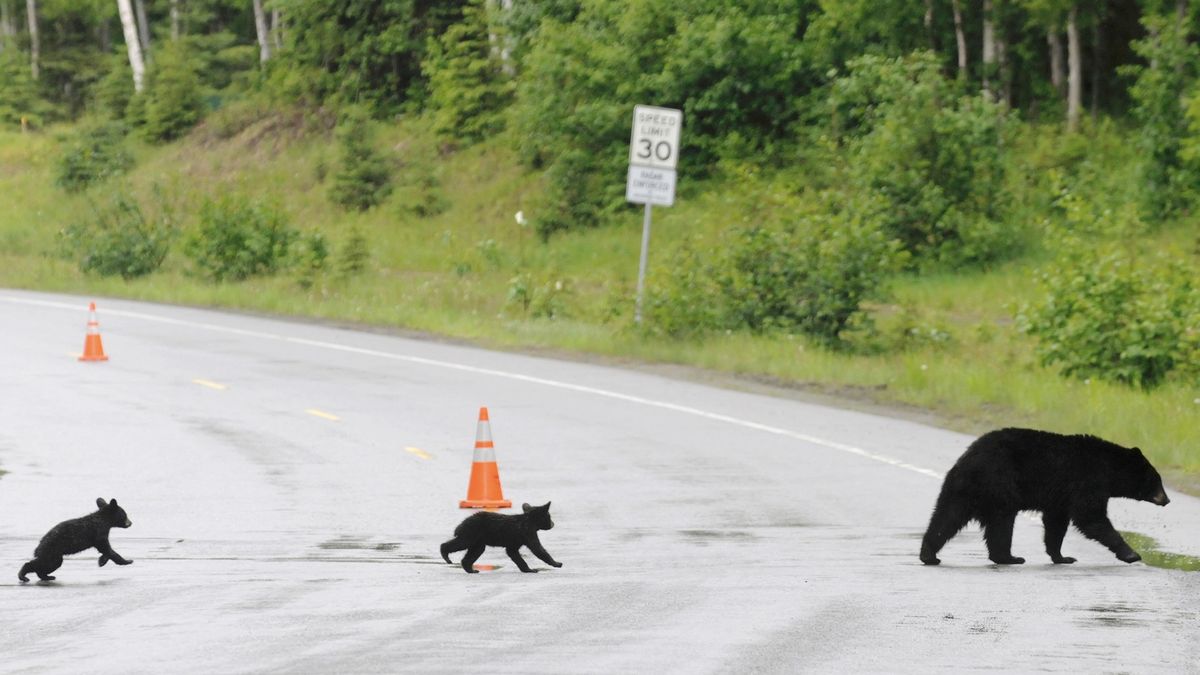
{"x":1161,"y":499}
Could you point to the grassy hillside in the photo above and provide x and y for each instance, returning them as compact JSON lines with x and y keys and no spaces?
{"x":472,"y":272}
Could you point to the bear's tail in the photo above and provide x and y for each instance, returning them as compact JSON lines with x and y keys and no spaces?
{"x":950,"y":515}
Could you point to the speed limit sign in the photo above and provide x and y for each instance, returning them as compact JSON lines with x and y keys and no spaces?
{"x":655,"y":138}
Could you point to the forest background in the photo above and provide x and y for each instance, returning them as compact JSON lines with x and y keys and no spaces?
{"x":977,"y":212}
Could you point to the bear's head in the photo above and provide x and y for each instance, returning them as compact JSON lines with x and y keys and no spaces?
{"x":112,"y":513}
{"x":1141,"y":480}
{"x":539,"y":516}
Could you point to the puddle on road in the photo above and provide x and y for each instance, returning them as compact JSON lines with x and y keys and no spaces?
{"x":1147,"y":547}
{"x":352,"y":544}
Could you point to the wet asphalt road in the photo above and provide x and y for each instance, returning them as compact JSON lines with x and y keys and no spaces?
{"x":289,"y":485}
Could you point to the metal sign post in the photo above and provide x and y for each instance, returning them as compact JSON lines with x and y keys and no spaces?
{"x":653,"y":151}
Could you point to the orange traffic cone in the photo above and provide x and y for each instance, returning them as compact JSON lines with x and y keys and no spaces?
{"x":92,"y":349}
{"x":484,"y":491}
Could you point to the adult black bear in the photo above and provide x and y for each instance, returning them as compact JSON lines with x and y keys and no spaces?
{"x":75,"y":535}
{"x":483,"y":529}
{"x":1068,"y":478}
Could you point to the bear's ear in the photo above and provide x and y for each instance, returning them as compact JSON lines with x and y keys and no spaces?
{"x":525,"y":507}
{"x":547,"y":506}
{"x":113,"y":503}
{"x":100,"y":502}
{"x":1138,"y":451}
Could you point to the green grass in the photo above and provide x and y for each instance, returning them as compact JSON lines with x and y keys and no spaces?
{"x":1148,"y":549}
{"x":451,"y":274}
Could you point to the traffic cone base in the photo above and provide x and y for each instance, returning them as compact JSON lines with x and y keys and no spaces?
{"x":93,"y":349}
{"x":484,"y":490}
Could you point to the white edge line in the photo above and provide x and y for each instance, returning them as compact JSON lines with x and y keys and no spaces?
{"x":717,"y":417}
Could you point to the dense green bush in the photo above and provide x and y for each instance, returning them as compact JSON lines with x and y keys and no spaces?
{"x":364,"y":178}
{"x":354,"y":255}
{"x":19,"y":95}
{"x":468,"y":86}
{"x":172,"y":101}
{"x":1109,"y":316}
{"x":115,"y":89}
{"x":934,"y":156}
{"x":811,"y":275}
{"x":239,"y":238}
{"x":120,"y":239}
{"x":92,"y":155}
{"x":1169,"y":182}
{"x":312,"y":258}
{"x":735,"y":70}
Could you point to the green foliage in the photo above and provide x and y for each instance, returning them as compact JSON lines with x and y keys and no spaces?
{"x":811,"y":275}
{"x":935,"y":158}
{"x":1110,"y":316}
{"x":354,"y":255}
{"x":19,"y":95}
{"x":312,"y":258}
{"x":120,"y":239}
{"x":172,"y":99}
{"x":364,"y":178}
{"x":238,"y":238}
{"x":363,"y":51}
{"x":734,"y":70}
{"x":1160,"y":107}
{"x":468,"y":88}
{"x":94,"y":154}
{"x":115,"y":88}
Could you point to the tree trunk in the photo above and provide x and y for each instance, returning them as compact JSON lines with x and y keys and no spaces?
{"x":929,"y":26}
{"x":988,"y":57}
{"x":1097,"y":66}
{"x":129,"y":27}
{"x":260,"y":26}
{"x":961,"y":40}
{"x":104,"y":34}
{"x":34,"y":44}
{"x":1058,"y":75}
{"x":6,"y":28}
{"x":174,"y":20}
{"x":277,"y":30}
{"x":1003,"y":76}
{"x":139,"y":6}
{"x":1074,"y":71}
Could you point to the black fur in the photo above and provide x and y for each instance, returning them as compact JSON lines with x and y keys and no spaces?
{"x":75,"y":535}
{"x":1068,"y":478}
{"x":484,"y":529}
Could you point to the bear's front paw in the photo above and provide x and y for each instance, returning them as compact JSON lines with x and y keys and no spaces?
{"x":102,"y":561}
{"x":1129,"y":557}
{"x":556,"y":564}
{"x":1063,"y":560}
{"x":1010,"y":560}
{"x":127,"y":562}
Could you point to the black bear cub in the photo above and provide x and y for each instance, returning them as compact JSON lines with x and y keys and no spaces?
{"x":483,"y":529}
{"x":1068,"y":478}
{"x":75,"y":535}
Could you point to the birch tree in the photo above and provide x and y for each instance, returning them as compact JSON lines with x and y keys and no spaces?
{"x":1074,"y":70}
{"x":264,"y":37}
{"x":34,"y":45}
{"x":960,"y":39}
{"x":129,"y":27}
{"x":139,"y":7}
{"x":988,"y":56}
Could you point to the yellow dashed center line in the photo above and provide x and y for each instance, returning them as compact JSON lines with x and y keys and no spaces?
{"x":211,"y":385}
{"x":323,"y":415}
{"x":419,"y":453}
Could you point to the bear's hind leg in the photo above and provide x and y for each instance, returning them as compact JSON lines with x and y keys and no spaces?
{"x":1056,"y":523}
{"x":473,"y":553}
{"x":453,"y":546}
{"x":946,"y":522}
{"x":44,"y":566}
{"x":997,"y":532}
{"x":25,"y":569}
